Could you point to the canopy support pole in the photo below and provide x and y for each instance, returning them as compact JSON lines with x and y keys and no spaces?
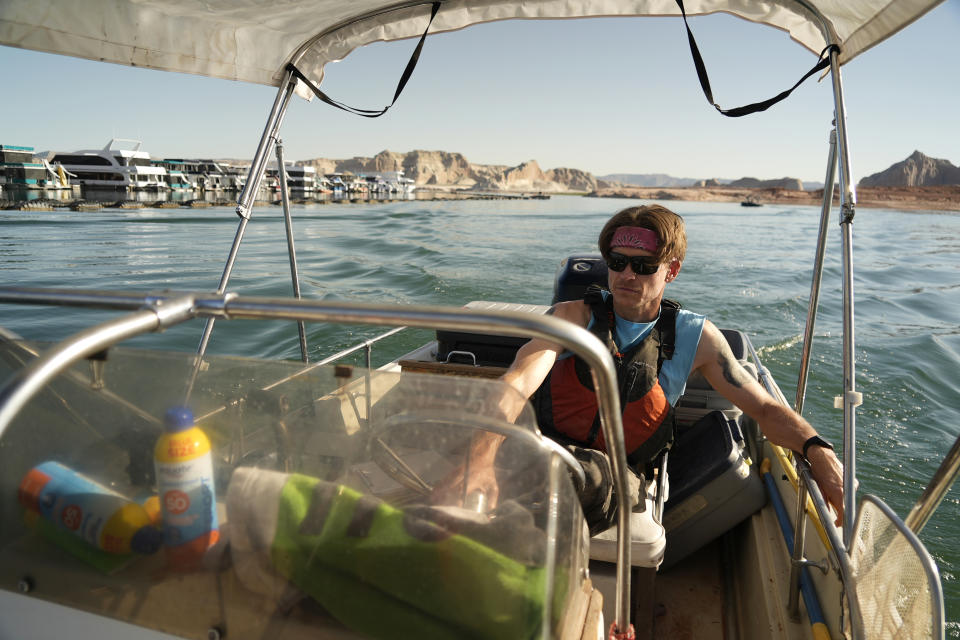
{"x":245,"y":203}
{"x":851,"y":399}
{"x":291,"y":251}
{"x":798,"y":561}
{"x":815,"y":285}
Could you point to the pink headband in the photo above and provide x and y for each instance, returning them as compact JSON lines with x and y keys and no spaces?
{"x":636,"y":237}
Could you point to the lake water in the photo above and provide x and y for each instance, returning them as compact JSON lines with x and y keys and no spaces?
{"x":745,"y":268}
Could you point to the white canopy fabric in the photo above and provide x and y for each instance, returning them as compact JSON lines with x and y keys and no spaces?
{"x":253,"y":40}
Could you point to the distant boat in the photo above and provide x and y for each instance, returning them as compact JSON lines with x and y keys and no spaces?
{"x":750,"y":201}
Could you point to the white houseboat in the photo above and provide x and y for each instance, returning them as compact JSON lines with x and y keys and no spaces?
{"x":337,"y":183}
{"x":234,"y":175}
{"x":300,"y":178}
{"x":376,"y":185}
{"x":114,"y":168}
{"x":398,"y":183}
{"x":177,"y":177}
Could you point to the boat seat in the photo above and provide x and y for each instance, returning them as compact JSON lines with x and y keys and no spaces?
{"x":647,"y":534}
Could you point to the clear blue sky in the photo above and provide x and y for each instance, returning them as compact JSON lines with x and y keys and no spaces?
{"x":606,"y":96}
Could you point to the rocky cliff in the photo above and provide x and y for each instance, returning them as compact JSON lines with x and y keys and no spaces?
{"x":445,"y":169}
{"x":647,"y":180}
{"x":917,"y":170}
{"x":711,"y":182}
{"x":792,"y":184}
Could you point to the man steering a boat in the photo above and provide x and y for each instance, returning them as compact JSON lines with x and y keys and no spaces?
{"x":655,"y":345}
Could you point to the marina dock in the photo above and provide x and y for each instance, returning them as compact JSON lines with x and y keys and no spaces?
{"x":80,"y":204}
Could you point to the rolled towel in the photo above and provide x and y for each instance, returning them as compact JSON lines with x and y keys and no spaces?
{"x":253,"y":498}
{"x":379,"y":570}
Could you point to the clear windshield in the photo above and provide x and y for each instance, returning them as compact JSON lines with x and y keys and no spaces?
{"x":324,"y":503}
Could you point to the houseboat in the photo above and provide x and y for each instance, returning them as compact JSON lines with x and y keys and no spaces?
{"x":20,"y":169}
{"x":398,"y":183}
{"x":176,"y":175}
{"x":234,"y":175}
{"x":114,"y":168}
{"x":337,"y":183}
{"x":301,"y":179}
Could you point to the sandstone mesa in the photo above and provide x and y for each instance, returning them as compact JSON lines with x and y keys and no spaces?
{"x":918,"y":182}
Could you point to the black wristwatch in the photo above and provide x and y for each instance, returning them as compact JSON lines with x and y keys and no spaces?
{"x":815,"y":441}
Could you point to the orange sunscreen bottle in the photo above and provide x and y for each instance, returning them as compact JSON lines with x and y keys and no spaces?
{"x":185,"y":481}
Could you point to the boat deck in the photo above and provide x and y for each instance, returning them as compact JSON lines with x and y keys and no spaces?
{"x":734,"y":587}
{"x":681,"y":603}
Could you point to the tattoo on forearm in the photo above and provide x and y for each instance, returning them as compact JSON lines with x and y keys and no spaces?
{"x":552,"y":310}
{"x":732,"y":371}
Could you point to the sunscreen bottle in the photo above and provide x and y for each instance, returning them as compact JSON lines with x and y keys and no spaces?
{"x":100,"y":516}
{"x":185,"y":482}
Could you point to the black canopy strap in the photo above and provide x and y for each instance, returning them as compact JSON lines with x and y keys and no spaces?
{"x":736,"y":112}
{"x":371,"y":113}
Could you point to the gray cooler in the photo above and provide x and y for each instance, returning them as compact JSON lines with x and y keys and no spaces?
{"x":713,"y":485}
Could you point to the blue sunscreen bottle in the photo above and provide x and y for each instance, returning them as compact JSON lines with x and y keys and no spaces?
{"x":77,"y":504}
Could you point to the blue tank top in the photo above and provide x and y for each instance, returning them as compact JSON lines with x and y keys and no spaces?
{"x":674,"y":372}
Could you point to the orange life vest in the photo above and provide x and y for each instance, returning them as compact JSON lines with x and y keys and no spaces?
{"x":566,"y":402}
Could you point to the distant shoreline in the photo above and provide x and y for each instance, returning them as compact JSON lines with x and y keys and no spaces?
{"x":943,"y":198}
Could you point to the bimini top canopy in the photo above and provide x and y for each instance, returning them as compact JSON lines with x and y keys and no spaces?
{"x":253,"y":40}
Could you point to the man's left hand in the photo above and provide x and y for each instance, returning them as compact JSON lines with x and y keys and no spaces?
{"x":828,"y":473}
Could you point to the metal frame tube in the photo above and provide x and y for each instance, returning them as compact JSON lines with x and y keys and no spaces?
{"x":836,"y":544}
{"x":799,"y":535}
{"x":817,"y":279}
{"x":249,"y":194}
{"x":291,"y":250}
{"x":550,"y":561}
{"x":793,"y":603}
{"x":510,"y":323}
{"x":936,"y":489}
{"x":27,"y":382}
{"x":259,"y":163}
{"x":20,"y":354}
{"x":851,"y":399}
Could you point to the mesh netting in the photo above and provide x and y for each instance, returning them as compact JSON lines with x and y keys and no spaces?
{"x":892,"y":587}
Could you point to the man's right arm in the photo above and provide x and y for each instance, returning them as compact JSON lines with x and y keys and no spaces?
{"x":534,"y":361}
{"x":525,"y":375}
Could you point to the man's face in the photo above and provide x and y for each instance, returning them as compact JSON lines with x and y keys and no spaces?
{"x":632,"y":291}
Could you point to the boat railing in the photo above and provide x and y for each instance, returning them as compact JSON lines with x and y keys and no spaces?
{"x":854,"y":562}
{"x":806,"y":486}
{"x":155,"y":312}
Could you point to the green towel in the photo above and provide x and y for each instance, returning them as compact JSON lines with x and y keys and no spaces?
{"x":391,"y":575}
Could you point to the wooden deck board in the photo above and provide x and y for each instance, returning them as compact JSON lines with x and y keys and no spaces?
{"x":689,"y":598}
{"x":686,"y":601}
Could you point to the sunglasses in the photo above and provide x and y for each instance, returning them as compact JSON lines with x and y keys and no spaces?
{"x":641,"y":265}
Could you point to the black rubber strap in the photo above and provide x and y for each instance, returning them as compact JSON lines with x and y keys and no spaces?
{"x":372,"y":113}
{"x":736,"y":112}
{"x":667,"y":326}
